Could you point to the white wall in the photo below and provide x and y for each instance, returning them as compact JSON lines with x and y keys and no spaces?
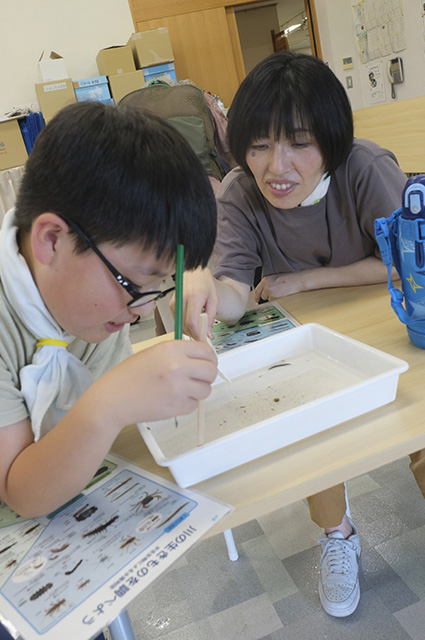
{"x":337,"y":36}
{"x":75,"y":29}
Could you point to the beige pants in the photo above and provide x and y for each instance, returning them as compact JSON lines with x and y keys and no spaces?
{"x":327,"y":508}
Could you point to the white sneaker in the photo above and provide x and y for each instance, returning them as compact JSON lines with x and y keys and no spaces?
{"x":339,"y":588}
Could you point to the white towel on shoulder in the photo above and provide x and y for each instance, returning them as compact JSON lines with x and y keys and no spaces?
{"x":55,"y":379}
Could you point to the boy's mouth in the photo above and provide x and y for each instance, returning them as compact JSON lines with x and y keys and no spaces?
{"x":113,"y":327}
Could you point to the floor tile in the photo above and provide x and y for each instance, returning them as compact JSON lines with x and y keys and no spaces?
{"x":273,"y":576}
{"x":249,"y":620}
{"x":290,"y":530}
{"x":271,"y":592}
{"x":412,"y":619}
{"x":406,"y":556}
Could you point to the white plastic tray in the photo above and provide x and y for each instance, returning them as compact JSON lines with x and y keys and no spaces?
{"x":284,"y":388}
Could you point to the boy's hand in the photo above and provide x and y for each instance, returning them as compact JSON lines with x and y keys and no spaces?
{"x":162,"y":381}
{"x":159,"y":382}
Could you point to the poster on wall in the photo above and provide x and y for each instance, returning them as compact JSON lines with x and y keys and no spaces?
{"x":379,"y":28}
{"x":376,"y":83}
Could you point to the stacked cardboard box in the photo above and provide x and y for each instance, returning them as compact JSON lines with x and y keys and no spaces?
{"x":151,"y":47}
{"x":55,"y":89}
{"x":114,"y":60}
{"x":93,"y":89}
{"x":54,"y":95}
{"x":13,"y":152}
{"x":52,"y":67}
{"x":124,"y":83}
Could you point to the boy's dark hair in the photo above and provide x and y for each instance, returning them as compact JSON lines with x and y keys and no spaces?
{"x":284,"y":92}
{"x":124,"y":175}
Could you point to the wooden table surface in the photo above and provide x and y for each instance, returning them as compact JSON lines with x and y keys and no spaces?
{"x":337,"y":454}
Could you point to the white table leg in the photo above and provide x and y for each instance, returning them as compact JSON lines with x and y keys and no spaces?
{"x":231,"y":547}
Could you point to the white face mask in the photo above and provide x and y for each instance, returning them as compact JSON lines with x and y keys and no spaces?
{"x":319,"y":192}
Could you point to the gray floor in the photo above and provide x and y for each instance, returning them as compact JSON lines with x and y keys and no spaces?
{"x":270,"y":593}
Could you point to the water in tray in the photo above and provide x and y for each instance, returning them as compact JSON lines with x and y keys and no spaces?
{"x":256,"y":396}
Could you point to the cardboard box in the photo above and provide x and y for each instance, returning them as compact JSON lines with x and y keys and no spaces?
{"x":151,"y":47}
{"x":52,"y":96}
{"x":92,"y":89}
{"x":152,"y":73}
{"x":52,"y":67}
{"x":114,"y":60}
{"x":13,"y":152}
{"x":125,"y":83}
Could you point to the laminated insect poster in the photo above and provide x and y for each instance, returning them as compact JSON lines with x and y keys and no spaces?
{"x":258,"y":322}
{"x":69,"y":574}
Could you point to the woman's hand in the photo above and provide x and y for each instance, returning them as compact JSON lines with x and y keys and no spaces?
{"x":199,"y":295}
{"x":278,"y":286}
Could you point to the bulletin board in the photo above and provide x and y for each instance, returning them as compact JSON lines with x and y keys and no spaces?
{"x":379,"y":28}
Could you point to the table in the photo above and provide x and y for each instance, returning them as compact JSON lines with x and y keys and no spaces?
{"x":337,"y":454}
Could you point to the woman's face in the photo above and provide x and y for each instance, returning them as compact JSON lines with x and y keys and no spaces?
{"x":286,"y":171}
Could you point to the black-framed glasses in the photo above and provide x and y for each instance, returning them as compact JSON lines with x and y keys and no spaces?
{"x":138,"y":299}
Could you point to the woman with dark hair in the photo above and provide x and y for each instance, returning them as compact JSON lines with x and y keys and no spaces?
{"x":300,"y":208}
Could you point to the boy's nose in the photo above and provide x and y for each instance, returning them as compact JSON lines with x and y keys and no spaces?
{"x":144,"y":310}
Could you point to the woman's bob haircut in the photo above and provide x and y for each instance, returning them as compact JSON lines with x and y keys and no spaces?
{"x":287,"y":92}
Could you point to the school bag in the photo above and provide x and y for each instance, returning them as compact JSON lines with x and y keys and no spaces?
{"x":184,"y":106}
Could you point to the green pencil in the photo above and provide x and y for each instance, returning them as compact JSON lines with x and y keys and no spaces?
{"x":178,"y":320}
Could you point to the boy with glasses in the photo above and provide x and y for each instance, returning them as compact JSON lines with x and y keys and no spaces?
{"x":107,"y":195}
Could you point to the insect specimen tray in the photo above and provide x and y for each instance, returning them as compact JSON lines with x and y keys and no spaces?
{"x":284,"y":388}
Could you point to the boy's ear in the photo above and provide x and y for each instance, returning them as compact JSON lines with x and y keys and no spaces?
{"x":47,"y":233}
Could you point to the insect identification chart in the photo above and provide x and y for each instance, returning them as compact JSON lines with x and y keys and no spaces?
{"x":258,"y":322}
{"x":71,"y":573}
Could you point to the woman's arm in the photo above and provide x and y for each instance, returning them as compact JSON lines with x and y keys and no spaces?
{"x":370,"y":270}
{"x":225,"y":299}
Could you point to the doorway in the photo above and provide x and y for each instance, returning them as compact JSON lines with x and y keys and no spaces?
{"x":255,"y":22}
{"x":254,"y":27}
